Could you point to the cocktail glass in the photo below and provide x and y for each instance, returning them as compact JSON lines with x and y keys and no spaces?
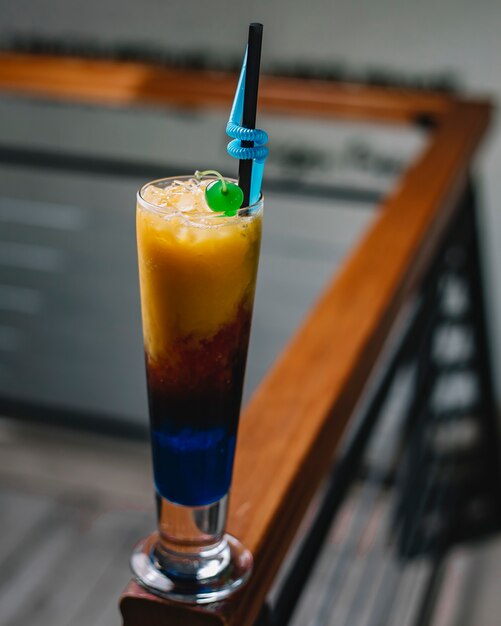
{"x":197,"y":276}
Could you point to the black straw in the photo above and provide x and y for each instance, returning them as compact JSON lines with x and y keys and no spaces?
{"x":250,"y":103}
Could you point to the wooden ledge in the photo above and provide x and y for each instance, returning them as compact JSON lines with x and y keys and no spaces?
{"x":295,"y":421}
{"x":140,"y":607}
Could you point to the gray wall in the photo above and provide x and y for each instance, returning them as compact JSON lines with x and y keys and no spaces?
{"x":428,"y":36}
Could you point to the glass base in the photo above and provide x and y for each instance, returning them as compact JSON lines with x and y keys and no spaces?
{"x":197,"y":578}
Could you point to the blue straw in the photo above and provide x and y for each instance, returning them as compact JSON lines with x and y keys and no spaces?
{"x":258,"y":152}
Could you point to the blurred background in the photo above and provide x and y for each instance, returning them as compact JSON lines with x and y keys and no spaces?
{"x":70,"y":337}
{"x":448,"y":43}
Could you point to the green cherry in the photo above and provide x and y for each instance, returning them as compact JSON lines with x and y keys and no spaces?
{"x":224,"y":197}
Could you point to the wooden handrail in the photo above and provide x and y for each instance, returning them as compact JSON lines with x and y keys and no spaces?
{"x":292,"y":427}
{"x":294,"y":423}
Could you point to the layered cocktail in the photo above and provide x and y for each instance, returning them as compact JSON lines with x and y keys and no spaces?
{"x":197,"y":273}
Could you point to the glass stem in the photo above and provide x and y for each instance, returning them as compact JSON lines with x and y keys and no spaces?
{"x":191,"y":539}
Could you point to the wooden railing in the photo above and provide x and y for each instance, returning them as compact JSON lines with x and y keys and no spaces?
{"x":294,"y":423}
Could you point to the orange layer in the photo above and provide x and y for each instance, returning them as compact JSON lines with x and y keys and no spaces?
{"x":193,"y":279}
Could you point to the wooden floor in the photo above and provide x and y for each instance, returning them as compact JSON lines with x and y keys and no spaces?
{"x":71,"y":508}
{"x":72,"y":505}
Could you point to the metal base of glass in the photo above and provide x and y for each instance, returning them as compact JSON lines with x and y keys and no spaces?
{"x":190,"y":559}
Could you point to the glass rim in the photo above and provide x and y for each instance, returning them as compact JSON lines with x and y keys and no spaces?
{"x":172,"y":211}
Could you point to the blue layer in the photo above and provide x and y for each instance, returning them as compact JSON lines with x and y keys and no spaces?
{"x":192,"y":467}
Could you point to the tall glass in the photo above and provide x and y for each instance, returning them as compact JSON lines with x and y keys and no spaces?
{"x":197,"y":274}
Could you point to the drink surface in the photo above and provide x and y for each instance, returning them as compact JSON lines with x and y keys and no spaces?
{"x":197,"y":275}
